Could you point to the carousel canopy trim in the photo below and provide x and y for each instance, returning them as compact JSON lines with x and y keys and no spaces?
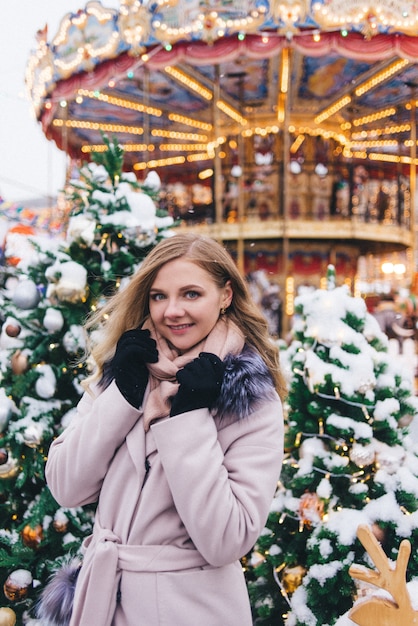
{"x":96,"y":34}
{"x":127,"y":73}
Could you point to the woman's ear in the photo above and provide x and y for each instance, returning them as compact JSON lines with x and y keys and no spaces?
{"x":228,"y":295}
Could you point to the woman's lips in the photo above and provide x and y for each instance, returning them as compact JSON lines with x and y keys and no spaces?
{"x":180,"y":328}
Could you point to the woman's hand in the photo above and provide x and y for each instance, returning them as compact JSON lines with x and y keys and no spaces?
{"x":200,"y":384}
{"x":134,"y":349}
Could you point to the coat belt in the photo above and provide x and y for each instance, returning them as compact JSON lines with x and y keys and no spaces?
{"x":106,"y":558}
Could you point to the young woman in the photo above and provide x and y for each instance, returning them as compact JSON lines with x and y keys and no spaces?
{"x":179,"y":438}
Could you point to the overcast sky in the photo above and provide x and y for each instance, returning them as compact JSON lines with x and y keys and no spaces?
{"x":30,"y":166}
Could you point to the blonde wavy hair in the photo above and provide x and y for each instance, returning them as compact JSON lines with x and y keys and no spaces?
{"x":129,"y":307}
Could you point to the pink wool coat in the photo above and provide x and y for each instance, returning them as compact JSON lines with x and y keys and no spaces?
{"x":178,"y":506}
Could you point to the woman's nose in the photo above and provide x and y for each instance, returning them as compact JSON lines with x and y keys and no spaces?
{"x":174,"y":308}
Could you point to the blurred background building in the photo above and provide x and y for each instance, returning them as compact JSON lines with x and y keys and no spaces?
{"x":285,"y":129}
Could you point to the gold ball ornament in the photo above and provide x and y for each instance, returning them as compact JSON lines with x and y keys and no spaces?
{"x":311,"y":508}
{"x":60,"y":527}
{"x":17,"y":585}
{"x":7,"y":616}
{"x":32,"y":536}
{"x":19,"y":362}
{"x":60,"y":523}
{"x":292,"y":577}
{"x":71,"y":293}
{"x":9,"y":468}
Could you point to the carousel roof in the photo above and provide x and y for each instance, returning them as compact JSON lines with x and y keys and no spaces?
{"x":173,"y":79}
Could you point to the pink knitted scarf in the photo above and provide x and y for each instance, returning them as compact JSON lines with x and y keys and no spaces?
{"x":225,"y":338}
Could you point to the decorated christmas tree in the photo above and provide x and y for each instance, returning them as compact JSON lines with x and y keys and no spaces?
{"x":46,"y":298}
{"x":350,"y":460}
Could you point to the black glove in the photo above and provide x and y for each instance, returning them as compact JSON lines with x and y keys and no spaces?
{"x":134,"y":349}
{"x":200,"y":384}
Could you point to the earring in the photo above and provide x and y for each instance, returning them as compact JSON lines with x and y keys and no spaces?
{"x":223,"y":310}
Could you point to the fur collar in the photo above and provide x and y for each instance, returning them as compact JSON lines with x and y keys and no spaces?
{"x":247,"y":381}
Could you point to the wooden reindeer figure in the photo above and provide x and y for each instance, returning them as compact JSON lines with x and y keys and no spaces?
{"x":380,"y":611}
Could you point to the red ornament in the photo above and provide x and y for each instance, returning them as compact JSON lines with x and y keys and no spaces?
{"x":13,"y":330}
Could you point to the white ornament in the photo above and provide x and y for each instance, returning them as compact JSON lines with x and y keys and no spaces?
{"x":46,"y":384}
{"x":32,"y":436}
{"x":362,"y":455}
{"x":53,"y":319}
{"x":26,"y":295}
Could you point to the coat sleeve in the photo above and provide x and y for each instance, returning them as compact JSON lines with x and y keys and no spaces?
{"x":223,"y":482}
{"x":79,"y":458}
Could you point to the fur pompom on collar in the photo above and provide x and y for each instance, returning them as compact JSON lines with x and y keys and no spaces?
{"x":247,"y":381}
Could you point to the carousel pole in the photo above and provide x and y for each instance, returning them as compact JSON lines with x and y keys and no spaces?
{"x":241,"y":204}
{"x":65,"y":148}
{"x":413,"y":176}
{"x":284,"y":87}
{"x":217,"y":165}
{"x":146,"y":103}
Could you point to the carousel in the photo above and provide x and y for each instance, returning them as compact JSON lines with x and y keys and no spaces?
{"x":285,"y":128}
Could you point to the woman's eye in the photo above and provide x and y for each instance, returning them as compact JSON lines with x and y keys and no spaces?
{"x":192,"y":295}
{"x":157,"y":297}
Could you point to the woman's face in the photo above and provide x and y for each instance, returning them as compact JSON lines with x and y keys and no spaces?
{"x":185,"y":302}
